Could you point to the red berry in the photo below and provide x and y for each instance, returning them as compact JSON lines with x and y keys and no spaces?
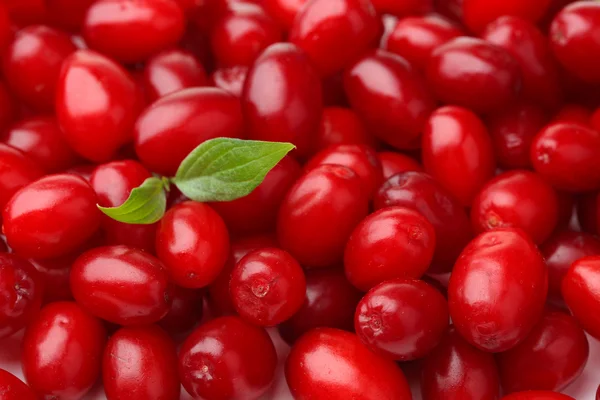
{"x":173,"y":126}
{"x":574,"y":39}
{"x":457,"y":152}
{"x":67,"y":14}
{"x":6,"y":31}
{"x":230,"y":79}
{"x":26,"y":12}
{"x":512,"y":131}
{"x":55,"y":274}
{"x":330,"y":301}
{"x":475,"y":74}
{"x":51,"y":217}
{"x":528,"y":45}
{"x":284,"y":11}
{"x":12,"y":387}
{"x":395,"y":108}
{"x":327,"y":360}
{"x":21,"y":289}
{"x":193,"y":243}
{"x":402,"y":319}
{"x":519,"y":199}
{"x":420,"y":192}
{"x":457,"y":370}
{"x":172,"y":70}
{"x":580,"y":289}
{"x":312,"y":227}
{"x":133,"y":30}
{"x":324,"y":29}
{"x":550,"y":358}
{"x":32,"y":63}
{"x":478,"y":13}
{"x":62,"y":351}
{"x":359,"y":158}
{"x":16,"y":171}
{"x":185,"y":310}
{"x":286,"y":107}
{"x":401,"y":8}
{"x":395,"y":163}
{"x":267,"y":286}
{"x":537,"y":395}
{"x":7,"y":107}
{"x":121,"y":285}
{"x":498,"y":289}
{"x":573,"y":113}
{"x":227,"y":358}
{"x":96,"y":121}
{"x":568,"y":156}
{"x":415,"y":38}
{"x":140,"y":363}
{"x":394,"y":242}
{"x":341,"y":126}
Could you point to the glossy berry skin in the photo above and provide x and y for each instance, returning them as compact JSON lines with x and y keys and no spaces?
{"x":341,"y":125}
{"x":415,"y":38}
{"x":42,"y":140}
{"x":300,"y":228}
{"x":284,"y":11}
{"x":455,"y":370}
{"x":202,"y":114}
{"x":457,"y":152}
{"x":12,"y":387}
{"x":51,"y":217}
{"x":574,"y":39}
{"x":21,"y":289}
{"x":242,"y":34}
{"x":402,"y":319}
{"x":537,"y":395}
{"x":395,"y":163}
{"x":140,"y":363}
{"x":185,"y":310}
{"x":472,"y":73}
{"x":16,"y":171}
{"x":420,"y":192}
{"x":551,"y":357}
{"x":512,"y":132}
{"x":561,"y":250}
{"x":227,"y":358}
{"x":257,"y":212}
{"x":133,"y":30}
{"x":323,"y":28}
{"x":394,"y":242}
{"x":520,"y":199}
{"x":566,"y":155}
{"x":96,"y":129}
{"x":62,"y":351}
{"x":121,"y":285}
{"x":529,"y":47}
{"x":380,"y":86}
{"x":353,"y":371}
{"x":294,"y":99}
{"x":580,"y":291}
{"x":497,"y":289}
{"x":193,"y":243}
{"x":359,"y":158}
{"x":172,"y":70}
{"x":477,"y":14}
{"x":32,"y":62}
{"x":230,"y":79}
{"x":330,"y":301}
{"x":267,"y":286}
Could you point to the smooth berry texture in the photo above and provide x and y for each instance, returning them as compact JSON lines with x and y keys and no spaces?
{"x":402,"y":319}
{"x":267,"y":286}
{"x":401,"y":8}
{"x":457,"y":370}
{"x":475,"y":74}
{"x":537,"y":395}
{"x":51,"y":217}
{"x":352,"y":369}
{"x":394,"y":242}
{"x":62,"y":351}
{"x":12,"y":387}
{"x":121,"y":285}
{"x":340,"y":125}
{"x":580,"y":291}
{"x":551,"y":357}
{"x":284,"y":11}
{"x":67,"y":14}
{"x":479,"y":13}
{"x":150,"y":367}
{"x":285,"y":109}
{"x":394,"y":163}
{"x":193,"y":243}
{"x":497,"y":289}
{"x":16,"y":171}
{"x":300,"y":228}
{"x":98,"y":120}
{"x":132,"y":30}
{"x":227,"y":358}
{"x":230,"y":79}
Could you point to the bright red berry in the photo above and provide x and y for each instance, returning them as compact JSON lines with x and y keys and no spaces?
{"x":12,"y":387}
{"x":581,"y":289}
{"x":394,"y":163}
{"x":16,"y":171}
{"x":230,"y":79}
{"x":478,"y":13}
{"x":341,"y":125}
{"x":537,"y":395}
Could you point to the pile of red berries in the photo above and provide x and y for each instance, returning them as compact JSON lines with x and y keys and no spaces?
{"x":439,"y":214}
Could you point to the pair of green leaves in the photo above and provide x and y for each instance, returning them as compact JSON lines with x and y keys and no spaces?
{"x":220,"y":169}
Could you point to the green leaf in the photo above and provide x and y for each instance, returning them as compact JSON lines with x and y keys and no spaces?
{"x":145,"y":205}
{"x":226,"y":169}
